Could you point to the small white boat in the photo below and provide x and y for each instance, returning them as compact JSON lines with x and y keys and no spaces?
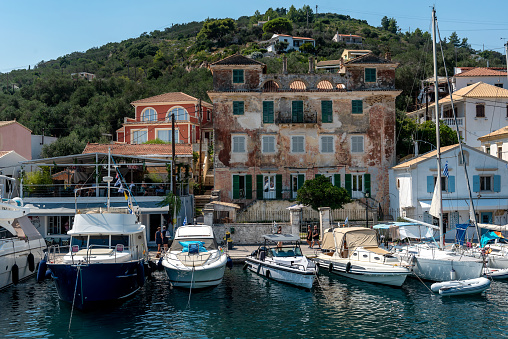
{"x":461,"y":287}
{"x":354,"y":253}
{"x":283,"y":262}
{"x":496,"y":273}
{"x":194,"y":260}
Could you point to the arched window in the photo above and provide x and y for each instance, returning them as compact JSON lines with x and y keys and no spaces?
{"x":149,"y":114}
{"x":270,"y":86}
{"x":324,"y":84}
{"x":180,"y":114}
{"x":298,"y":85}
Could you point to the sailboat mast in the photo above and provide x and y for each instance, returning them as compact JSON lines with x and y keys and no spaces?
{"x":109,"y":176}
{"x":438,"y":143}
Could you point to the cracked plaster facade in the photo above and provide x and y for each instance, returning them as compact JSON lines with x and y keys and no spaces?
{"x":376,"y":125}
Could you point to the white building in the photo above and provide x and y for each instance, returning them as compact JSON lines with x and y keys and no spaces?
{"x":412,"y":185}
{"x":348,"y":38}
{"x":480,"y":109}
{"x":496,"y":143}
{"x":294,"y":42}
{"x":467,"y":76}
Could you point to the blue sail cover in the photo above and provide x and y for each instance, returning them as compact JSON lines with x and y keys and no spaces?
{"x":487,"y":237}
{"x":192,"y":246}
{"x":460,"y":233}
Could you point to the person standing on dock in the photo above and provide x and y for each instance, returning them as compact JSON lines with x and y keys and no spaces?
{"x":309,"y":236}
{"x":315,"y":237}
{"x":158,"y":240}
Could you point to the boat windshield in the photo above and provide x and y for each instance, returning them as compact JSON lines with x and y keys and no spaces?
{"x":120,"y":239}
{"x":5,"y":234}
{"x":79,"y":240}
{"x":289,"y":251}
{"x":210,"y":244}
{"x":99,"y":241}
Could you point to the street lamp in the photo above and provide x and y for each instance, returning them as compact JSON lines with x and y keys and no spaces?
{"x":367,"y":208}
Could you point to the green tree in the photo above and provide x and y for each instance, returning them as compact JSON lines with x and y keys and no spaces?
{"x":319,"y":192}
{"x":385,"y":22}
{"x":173,"y":203}
{"x":307,"y":48}
{"x":278,"y":25}
{"x":156,"y":142}
{"x":280,"y":47}
{"x":216,"y":29}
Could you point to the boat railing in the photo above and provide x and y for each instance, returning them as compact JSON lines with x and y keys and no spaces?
{"x":57,"y":251}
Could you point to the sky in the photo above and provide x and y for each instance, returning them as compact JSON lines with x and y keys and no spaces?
{"x":33,"y":31}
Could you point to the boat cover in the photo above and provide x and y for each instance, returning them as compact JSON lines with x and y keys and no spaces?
{"x":403,"y":230}
{"x":353,"y":237}
{"x":24,"y":228}
{"x":281,"y":237}
{"x":487,"y":237}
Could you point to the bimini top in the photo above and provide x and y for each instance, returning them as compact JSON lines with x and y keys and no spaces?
{"x":194,"y":231}
{"x":403,"y":230}
{"x":352,"y":237}
{"x":281,"y":237}
{"x":105,"y":223}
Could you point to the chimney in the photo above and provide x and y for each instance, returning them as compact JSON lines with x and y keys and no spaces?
{"x":311,"y":65}
{"x":284,"y":65}
{"x":388,"y":56}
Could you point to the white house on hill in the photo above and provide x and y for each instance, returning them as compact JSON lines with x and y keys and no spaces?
{"x":294,"y":42}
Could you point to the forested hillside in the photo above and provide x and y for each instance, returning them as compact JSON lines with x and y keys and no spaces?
{"x":48,"y":100}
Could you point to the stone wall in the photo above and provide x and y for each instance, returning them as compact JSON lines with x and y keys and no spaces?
{"x":247,"y":234}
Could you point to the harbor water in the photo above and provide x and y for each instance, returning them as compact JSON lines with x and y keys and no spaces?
{"x":248,"y":306}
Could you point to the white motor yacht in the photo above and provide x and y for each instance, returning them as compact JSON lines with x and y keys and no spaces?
{"x":283,"y":261}
{"x":355,"y":253}
{"x":194,"y":260}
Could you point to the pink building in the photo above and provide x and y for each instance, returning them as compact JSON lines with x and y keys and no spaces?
{"x":16,"y":137}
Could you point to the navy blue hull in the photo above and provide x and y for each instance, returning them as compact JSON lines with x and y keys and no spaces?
{"x":97,"y":283}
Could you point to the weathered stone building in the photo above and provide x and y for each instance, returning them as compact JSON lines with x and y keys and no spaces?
{"x":274,"y":131}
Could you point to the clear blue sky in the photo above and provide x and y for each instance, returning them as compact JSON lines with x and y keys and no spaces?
{"x":32,"y":31}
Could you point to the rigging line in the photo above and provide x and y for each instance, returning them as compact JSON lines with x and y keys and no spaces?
{"x":472,"y":211}
{"x":74,"y":298}
{"x":190,"y":288}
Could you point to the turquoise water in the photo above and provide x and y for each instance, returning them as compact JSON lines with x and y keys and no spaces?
{"x":248,"y":306}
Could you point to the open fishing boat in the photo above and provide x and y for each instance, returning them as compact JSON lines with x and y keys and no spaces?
{"x":280,"y":258}
{"x":105,"y":262}
{"x":21,"y":245}
{"x":194,"y":259}
{"x":355,"y":253}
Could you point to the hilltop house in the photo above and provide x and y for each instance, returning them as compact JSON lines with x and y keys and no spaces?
{"x":274,"y":131}
{"x":333,"y":66}
{"x":153,"y":119}
{"x":294,"y":42}
{"x":467,"y":76}
{"x":480,"y":109}
{"x":412,"y":184}
{"x":348,"y":38}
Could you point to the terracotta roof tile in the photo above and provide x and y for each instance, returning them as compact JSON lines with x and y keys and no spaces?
{"x":428,"y":155}
{"x":350,"y":35}
{"x":166,"y":97}
{"x":237,"y":59}
{"x":2,"y":153}
{"x":139,"y":150}
{"x":10,"y":122}
{"x":500,"y":133}
{"x":369,"y":58}
{"x":481,"y":71}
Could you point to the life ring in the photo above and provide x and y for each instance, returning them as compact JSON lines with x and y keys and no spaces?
{"x":31,"y":262}
{"x":348,"y":267}
{"x":15,"y":274}
{"x":330,"y":268}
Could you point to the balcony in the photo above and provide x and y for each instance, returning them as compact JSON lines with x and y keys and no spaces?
{"x":288,"y":118}
{"x":451,"y":121}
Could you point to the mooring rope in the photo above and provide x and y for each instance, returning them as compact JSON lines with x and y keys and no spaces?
{"x":74,"y":298}
{"x":190,"y":289}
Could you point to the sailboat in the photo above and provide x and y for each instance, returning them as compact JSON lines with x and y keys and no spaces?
{"x":429,"y":261}
{"x":105,"y":262}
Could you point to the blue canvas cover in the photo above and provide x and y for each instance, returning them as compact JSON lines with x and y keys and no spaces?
{"x":461,"y":233}
{"x":192,"y":244}
{"x":487,"y":237}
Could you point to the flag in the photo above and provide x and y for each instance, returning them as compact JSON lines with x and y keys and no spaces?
{"x":125,"y":195}
{"x":184,"y":221}
{"x":120,"y":190}
{"x":346,"y":221}
{"x":445,"y":171}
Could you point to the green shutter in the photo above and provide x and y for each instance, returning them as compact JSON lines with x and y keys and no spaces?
{"x":268,"y":116}
{"x":349,"y":185}
{"x":357,"y":106}
{"x":301,"y":180}
{"x":248,"y":187}
{"x":326,"y":111}
{"x":238,"y":108}
{"x":238,"y":76}
{"x":297,"y":111}
{"x":278,"y":186}
{"x":366,"y":180}
{"x":370,"y":75}
{"x":336,"y":180}
{"x":259,"y":186}
{"x":236,"y":187}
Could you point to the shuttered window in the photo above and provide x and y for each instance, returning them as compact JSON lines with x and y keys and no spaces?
{"x":326,"y":111}
{"x":238,"y":107}
{"x":370,"y":75}
{"x":297,"y":111}
{"x":268,"y":117}
{"x":357,"y":106}
{"x":238,"y":76}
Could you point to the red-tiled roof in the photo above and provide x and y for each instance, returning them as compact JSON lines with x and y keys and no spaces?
{"x":237,"y":59}
{"x":350,"y":35}
{"x":2,"y":153}
{"x":166,"y":97}
{"x":10,"y":122}
{"x":295,"y":37}
{"x":481,"y":71}
{"x":139,"y":150}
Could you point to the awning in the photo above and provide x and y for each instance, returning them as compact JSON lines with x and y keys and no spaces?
{"x":450,"y":205}
{"x":69,"y":208}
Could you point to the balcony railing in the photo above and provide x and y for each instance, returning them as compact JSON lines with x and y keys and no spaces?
{"x":307,"y":118}
{"x":89,"y":190}
{"x":451,"y":121}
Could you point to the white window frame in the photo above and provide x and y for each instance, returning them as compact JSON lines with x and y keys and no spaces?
{"x":151,"y":117}
{"x":491,"y":183}
{"x":135,"y":139}
{"x":235,"y":138}
{"x":177,"y":134}
{"x":357,"y":185}
{"x":263,"y":144}
{"x":293,"y":144}
{"x":353,"y":143}
{"x":269,"y":186}
{"x":321,"y":149}
{"x":178,"y":114}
